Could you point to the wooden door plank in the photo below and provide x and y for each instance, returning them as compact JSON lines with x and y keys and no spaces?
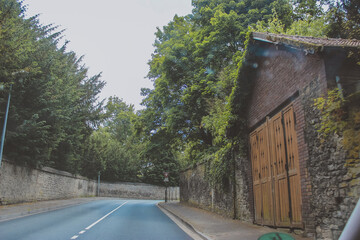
{"x":293,"y":161}
{"x":256,"y":177}
{"x":265,"y":176}
{"x":280,"y":178}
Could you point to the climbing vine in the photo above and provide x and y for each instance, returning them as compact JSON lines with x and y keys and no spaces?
{"x":234,"y":138}
{"x":340,"y":115}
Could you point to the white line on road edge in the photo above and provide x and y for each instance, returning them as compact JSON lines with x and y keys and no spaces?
{"x":87,"y":228}
{"x":90,"y":226}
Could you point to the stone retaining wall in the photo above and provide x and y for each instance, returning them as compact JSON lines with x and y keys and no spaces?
{"x":335,"y":178}
{"x":21,"y":184}
{"x":196,"y":191}
{"x":132,"y":190}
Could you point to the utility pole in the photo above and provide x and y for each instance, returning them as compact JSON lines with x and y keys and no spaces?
{"x":166,"y":180}
{"x":98,"y":185}
{"x":165,"y":193}
{"x":7,"y":114}
{"x":4,"y":127}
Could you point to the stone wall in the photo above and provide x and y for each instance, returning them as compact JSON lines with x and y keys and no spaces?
{"x":196,"y":191}
{"x":21,"y":184}
{"x":244,"y":210}
{"x":335,"y":179}
{"x":132,"y":190}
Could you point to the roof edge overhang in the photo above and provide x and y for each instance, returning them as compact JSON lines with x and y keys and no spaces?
{"x":307,"y":47}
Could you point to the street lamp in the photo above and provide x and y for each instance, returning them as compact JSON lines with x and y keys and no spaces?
{"x":6,"y":116}
{"x":4,"y":127}
{"x":166,"y":180}
{"x":98,"y":185}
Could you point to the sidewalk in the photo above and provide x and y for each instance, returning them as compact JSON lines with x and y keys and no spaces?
{"x":8,"y":212}
{"x":209,"y":225}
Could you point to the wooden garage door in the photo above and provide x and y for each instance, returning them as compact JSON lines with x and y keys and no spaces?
{"x":262,"y":177}
{"x":293,"y":166}
{"x":276,"y":177}
{"x":256,"y":177}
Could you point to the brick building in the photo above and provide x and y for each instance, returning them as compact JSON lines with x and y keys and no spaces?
{"x":289,"y":178}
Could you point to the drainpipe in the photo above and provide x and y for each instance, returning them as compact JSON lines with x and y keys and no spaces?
{"x":234,"y":180}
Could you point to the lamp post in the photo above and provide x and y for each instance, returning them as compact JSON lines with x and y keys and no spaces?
{"x":98,"y":185}
{"x":7,"y":114}
{"x":4,"y":127}
{"x":166,"y":180}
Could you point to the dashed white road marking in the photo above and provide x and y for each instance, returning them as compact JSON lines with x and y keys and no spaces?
{"x":93,"y":224}
{"x":90,"y":226}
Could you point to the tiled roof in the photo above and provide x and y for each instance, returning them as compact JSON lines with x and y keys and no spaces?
{"x":307,"y":41}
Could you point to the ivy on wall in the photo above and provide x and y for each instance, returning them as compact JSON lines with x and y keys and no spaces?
{"x":340,"y":115}
{"x":235,"y":140}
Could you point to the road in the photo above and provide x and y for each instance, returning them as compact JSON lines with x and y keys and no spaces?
{"x":101,"y":220}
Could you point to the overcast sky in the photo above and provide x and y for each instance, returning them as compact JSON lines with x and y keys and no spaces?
{"x":115,"y":36}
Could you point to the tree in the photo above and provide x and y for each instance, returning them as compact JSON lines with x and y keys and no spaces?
{"x":114,"y":149}
{"x":345,"y":19}
{"x":192,"y":55}
{"x":54,"y":106}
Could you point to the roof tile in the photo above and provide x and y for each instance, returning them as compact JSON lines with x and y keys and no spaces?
{"x":327,"y":42}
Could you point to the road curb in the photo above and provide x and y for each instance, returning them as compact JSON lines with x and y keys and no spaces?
{"x":39,"y":210}
{"x":186,"y":223}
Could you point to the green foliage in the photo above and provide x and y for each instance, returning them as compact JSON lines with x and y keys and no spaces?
{"x":345,"y":19}
{"x":317,"y":27}
{"x":273,"y":26}
{"x":310,"y":26}
{"x":317,"y":19}
{"x":54,"y":105}
{"x":221,"y":165}
{"x":332,"y":113}
{"x":239,"y":99}
{"x":340,"y":116}
{"x":216,"y":122}
{"x":194,"y":68}
{"x":114,"y":149}
{"x":195,"y":112}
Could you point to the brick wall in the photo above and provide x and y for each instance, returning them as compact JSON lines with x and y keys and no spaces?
{"x":280,"y":75}
{"x":289,"y":77}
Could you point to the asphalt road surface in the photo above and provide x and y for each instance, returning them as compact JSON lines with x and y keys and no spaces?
{"x":101,"y":220}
